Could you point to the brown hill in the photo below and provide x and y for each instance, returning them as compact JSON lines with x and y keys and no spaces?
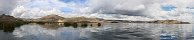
{"x":169,"y":22}
{"x":84,"y":19}
{"x":51,"y":18}
{"x":4,"y":17}
{"x":56,"y":18}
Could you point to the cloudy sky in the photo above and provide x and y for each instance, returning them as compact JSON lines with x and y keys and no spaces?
{"x":107,"y":9}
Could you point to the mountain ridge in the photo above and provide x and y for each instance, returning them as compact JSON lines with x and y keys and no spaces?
{"x":82,"y":19}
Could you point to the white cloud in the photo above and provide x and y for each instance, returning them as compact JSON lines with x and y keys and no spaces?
{"x":132,"y":8}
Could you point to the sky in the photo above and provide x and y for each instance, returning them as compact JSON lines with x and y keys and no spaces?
{"x":107,"y":9}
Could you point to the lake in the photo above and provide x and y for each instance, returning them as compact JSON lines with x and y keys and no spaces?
{"x":106,"y":31}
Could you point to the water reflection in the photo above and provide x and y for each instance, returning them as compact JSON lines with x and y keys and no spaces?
{"x":109,"y":31}
{"x":9,"y":26}
{"x":38,"y":32}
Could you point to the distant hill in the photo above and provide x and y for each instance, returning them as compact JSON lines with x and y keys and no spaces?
{"x":84,"y":19}
{"x":51,"y":18}
{"x":56,"y":18}
{"x":10,"y":21}
{"x":4,"y":17}
{"x":155,"y":21}
{"x":169,"y":22}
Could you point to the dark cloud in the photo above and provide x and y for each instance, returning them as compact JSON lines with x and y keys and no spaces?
{"x":6,"y":6}
{"x":126,"y":12}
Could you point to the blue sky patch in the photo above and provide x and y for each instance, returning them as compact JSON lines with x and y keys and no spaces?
{"x":66,"y":10}
{"x":66,"y":1}
{"x":167,"y":7}
{"x":79,"y":2}
{"x":75,"y":1}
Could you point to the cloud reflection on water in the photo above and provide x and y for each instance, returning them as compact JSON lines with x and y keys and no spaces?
{"x":37,"y":32}
{"x":106,"y":32}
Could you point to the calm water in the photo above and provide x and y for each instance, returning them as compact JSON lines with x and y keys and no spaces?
{"x":109,"y":31}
